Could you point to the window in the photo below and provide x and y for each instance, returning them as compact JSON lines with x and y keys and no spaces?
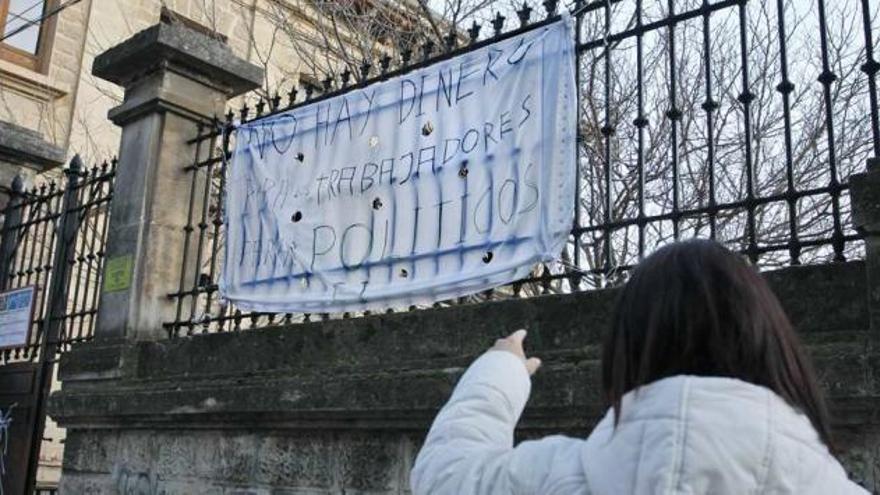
{"x":26,"y":36}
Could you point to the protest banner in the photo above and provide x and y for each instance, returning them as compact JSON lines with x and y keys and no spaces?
{"x":442,"y":182}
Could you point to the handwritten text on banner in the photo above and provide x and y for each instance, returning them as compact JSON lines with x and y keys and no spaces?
{"x":439,"y":183}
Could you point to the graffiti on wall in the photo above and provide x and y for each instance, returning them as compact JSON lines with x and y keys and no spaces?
{"x":5,"y":427}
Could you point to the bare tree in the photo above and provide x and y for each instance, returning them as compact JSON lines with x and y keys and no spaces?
{"x":677,"y":130}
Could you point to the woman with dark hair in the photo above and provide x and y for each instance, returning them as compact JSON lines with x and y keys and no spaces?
{"x":710,"y":392}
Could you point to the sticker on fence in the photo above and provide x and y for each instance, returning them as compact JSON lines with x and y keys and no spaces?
{"x":439,"y":183}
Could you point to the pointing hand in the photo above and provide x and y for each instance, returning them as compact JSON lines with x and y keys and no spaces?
{"x":514,"y":345}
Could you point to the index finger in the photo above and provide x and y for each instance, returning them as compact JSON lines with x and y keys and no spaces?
{"x":518,"y":336}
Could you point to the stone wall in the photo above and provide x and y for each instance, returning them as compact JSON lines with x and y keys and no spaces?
{"x":342,"y":406}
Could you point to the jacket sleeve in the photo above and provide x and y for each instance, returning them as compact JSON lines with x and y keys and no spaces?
{"x":469,"y":449}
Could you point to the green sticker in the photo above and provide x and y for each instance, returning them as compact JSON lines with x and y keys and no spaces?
{"x":117,"y":273}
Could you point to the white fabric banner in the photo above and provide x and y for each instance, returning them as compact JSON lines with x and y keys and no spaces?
{"x":442,"y":182}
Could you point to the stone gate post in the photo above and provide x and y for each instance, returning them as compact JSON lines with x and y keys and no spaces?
{"x":174,"y":77}
{"x":865,"y":194}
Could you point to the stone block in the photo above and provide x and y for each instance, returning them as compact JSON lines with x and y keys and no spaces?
{"x":177,"y":454}
{"x":860,"y":455}
{"x":230,"y":458}
{"x":865,"y":194}
{"x":369,"y":463}
{"x":73,"y":483}
{"x":188,"y":50}
{"x":823,"y":298}
{"x":297,"y":460}
{"x":91,"y":451}
{"x":136,"y":451}
{"x":27,"y":147}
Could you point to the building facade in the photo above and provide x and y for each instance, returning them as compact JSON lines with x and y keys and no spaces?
{"x":52,"y":106}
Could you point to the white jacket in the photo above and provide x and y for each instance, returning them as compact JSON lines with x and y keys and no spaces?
{"x":680,"y":435}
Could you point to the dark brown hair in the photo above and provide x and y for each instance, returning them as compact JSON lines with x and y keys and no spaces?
{"x":695,"y":308}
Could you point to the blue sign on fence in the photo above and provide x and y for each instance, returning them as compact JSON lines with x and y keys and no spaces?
{"x":439,"y":183}
{"x":16,"y":310}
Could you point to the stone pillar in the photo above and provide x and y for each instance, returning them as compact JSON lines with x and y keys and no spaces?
{"x":174,"y":77}
{"x":865,"y":196}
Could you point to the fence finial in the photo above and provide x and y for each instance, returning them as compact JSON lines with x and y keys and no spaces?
{"x":524,"y":14}
{"x":76,"y":164}
{"x":474,"y":32}
{"x":427,"y":49}
{"x":450,"y":40}
{"x":385,"y":63}
{"x":18,"y":184}
{"x":498,"y":23}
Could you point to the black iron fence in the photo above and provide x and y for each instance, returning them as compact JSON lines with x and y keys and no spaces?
{"x":735,"y":120}
{"x":53,"y":239}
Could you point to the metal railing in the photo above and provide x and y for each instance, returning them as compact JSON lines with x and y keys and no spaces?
{"x":53,"y":239}
{"x":735,"y":120}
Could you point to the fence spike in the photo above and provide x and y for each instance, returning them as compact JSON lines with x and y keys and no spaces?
{"x":498,"y":23}
{"x":524,"y":14}
{"x":328,"y":83}
{"x":427,"y":49}
{"x":76,"y":164}
{"x":18,"y":184}
{"x":385,"y":63}
{"x":474,"y":32}
{"x":450,"y":39}
{"x":310,"y":90}
{"x":260,"y":106}
{"x":345,"y":77}
{"x":243,"y":112}
{"x":276,"y":101}
{"x":406,"y":56}
{"x":291,"y":96}
{"x":550,"y":7}
{"x":365,"y":68}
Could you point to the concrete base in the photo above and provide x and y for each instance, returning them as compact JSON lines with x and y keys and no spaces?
{"x":342,"y":406}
